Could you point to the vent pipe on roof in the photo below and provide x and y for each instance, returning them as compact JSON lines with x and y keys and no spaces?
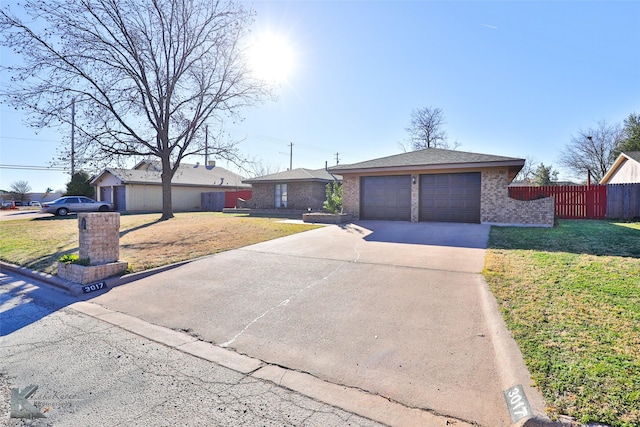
{"x":326,"y":166}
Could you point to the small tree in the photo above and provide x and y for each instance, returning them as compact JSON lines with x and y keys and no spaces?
{"x":630,"y":140}
{"x":333,"y":203}
{"x":80,"y":185}
{"x":544,"y":175}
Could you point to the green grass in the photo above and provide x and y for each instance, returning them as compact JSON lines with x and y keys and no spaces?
{"x":145,"y":242}
{"x":571,"y":297}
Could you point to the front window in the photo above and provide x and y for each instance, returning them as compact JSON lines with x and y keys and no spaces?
{"x":281,"y":195}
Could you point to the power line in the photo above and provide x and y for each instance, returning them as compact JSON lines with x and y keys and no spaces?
{"x":29,"y":139}
{"x":35,"y":168}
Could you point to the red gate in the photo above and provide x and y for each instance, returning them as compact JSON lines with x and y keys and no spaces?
{"x":571,"y":202}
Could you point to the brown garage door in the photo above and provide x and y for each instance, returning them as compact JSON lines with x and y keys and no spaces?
{"x":450,"y":197}
{"x":385,"y":197}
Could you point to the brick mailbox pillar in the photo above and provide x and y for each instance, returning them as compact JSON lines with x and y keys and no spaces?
{"x":99,"y":237}
{"x":99,"y":242}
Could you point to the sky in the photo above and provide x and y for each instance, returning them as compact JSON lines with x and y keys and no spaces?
{"x":513,"y":78}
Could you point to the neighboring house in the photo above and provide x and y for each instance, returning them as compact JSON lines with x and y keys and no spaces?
{"x":140,"y":189}
{"x":298,"y":189}
{"x":42,"y":197}
{"x":625,"y":170}
{"x":31,"y":197}
{"x":439,"y":185}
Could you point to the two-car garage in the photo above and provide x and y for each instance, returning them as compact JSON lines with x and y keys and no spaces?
{"x":443,"y":197}
{"x":431,"y":184}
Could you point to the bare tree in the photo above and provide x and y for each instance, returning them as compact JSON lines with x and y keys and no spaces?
{"x":258,"y":168}
{"x":146,"y":76}
{"x":528,"y":170}
{"x":427,"y":128}
{"x":20,"y":189}
{"x":592,"y":151}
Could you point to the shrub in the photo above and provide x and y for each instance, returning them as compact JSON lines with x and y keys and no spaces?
{"x":333,"y":203}
{"x":74,"y":259}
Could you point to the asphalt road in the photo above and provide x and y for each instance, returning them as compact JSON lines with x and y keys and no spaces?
{"x":90,"y":372}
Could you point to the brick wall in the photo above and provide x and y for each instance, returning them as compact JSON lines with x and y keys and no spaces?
{"x":90,"y":274}
{"x":351,"y":195}
{"x":263,"y":197}
{"x":305,"y":195}
{"x":498,"y":208}
{"x":99,"y":238}
{"x":300,"y":196}
{"x":99,"y":241}
{"x":415,"y":198}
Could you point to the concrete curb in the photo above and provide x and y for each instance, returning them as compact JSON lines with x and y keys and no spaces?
{"x":75,"y":289}
{"x":511,"y":367}
{"x":539,"y":422}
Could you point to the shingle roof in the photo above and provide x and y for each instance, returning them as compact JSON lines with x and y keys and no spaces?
{"x":300,"y":174}
{"x":187,"y":175}
{"x":430,"y":157}
{"x":635,"y":155}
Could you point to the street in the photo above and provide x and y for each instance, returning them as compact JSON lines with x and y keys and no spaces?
{"x":90,"y":372}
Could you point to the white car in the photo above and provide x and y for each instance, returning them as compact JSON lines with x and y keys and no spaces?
{"x":64,"y":205}
{"x":35,"y":204}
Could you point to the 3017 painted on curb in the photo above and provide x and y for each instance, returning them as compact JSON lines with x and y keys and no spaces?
{"x":94,"y":287}
{"x":517,"y":403}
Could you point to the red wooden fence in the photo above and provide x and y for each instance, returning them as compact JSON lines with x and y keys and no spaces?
{"x":231,"y":197}
{"x":571,"y":202}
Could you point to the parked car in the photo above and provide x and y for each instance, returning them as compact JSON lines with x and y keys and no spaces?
{"x":64,"y":205}
{"x":36,"y":204}
{"x":9,"y":204}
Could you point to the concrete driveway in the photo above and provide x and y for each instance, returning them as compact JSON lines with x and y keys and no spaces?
{"x":388,"y":307}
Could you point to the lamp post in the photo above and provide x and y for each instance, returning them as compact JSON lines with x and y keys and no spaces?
{"x":590,"y":138}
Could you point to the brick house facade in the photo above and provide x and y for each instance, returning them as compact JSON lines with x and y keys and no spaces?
{"x":493,"y":173}
{"x":297,"y":189}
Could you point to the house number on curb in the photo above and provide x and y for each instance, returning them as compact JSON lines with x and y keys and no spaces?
{"x":517,"y":403}
{"x":94,"y":287}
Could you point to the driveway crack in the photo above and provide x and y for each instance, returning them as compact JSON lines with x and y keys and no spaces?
{"x":282,"y":304}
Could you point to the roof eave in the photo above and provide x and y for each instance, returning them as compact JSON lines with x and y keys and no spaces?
{"x":614,"y":167}
{"x":285,"y":180}
{"x":444,"y":166}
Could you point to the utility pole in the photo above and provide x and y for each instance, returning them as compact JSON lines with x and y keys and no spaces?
{"x":206,"y":145}
{"x":291,"y":156}
{"x":73,"y":133}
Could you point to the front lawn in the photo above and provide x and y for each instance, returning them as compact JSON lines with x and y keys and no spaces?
{"x":571,"y":298}
{"x":145,"y":242}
